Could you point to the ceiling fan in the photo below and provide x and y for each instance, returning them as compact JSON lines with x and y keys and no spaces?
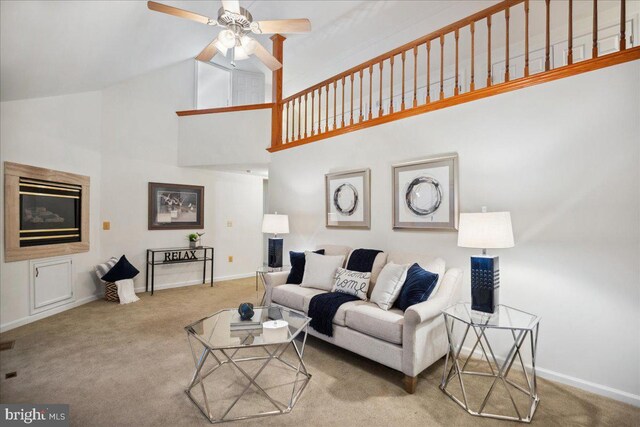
{"x":238,"y":24}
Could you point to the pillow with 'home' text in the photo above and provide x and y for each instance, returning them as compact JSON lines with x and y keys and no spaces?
{"x":352,"y":282}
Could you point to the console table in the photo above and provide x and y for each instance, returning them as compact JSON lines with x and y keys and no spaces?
{"x":178,"y":256}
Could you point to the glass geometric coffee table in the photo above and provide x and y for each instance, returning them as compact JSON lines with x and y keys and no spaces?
{"x":503,"y":340}
{"x":244,"y":350}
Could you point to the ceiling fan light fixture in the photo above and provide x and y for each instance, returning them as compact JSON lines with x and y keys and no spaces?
{"x":227,"y":38}
{"x":239,"y":53}
{"x":255,"y":27}
{"x":248,"y":44}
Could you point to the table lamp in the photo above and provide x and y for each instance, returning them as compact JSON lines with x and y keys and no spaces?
{"x":275,"y":224}
{"x":485,"y":230}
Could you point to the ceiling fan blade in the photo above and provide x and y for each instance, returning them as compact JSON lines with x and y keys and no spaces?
{"x":285,"y":26}
{"x":181,"y":13}
{"x":208,"y":52}
{"x":267,"y":59}
{"x":231,"y":6}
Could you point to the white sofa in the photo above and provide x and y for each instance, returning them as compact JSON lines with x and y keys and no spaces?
{"x":408,"y":342}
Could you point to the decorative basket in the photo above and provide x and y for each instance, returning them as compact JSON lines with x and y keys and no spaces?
{"x":111,"y":292}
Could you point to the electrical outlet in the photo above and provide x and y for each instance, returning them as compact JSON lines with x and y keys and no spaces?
{"x":229,"y":223}
{"x":230,"y":258}
{"x":106,"y":225}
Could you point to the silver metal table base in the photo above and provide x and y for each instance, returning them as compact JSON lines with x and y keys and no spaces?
{"x":274,"y":352}
{"x":498,"y":371}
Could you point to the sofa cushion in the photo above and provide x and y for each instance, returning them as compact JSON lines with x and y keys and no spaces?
{"x":334,"y":250}
{"x":378,"y":265}
{"x":370,"y":319}
{"x":340,"y":317}
{"x":417,"y":288}
{"x":389,"y":285}
{"x":429,"y":263}
{"x":320,"y":271}
{"x":354,"y":283}
{"x":297,"y":260}
{"x":292,"y":296}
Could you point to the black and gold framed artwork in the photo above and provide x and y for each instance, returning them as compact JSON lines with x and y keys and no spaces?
{"x":175,"y":206}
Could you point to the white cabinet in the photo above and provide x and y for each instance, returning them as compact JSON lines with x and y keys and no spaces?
{"x":51,"y":284}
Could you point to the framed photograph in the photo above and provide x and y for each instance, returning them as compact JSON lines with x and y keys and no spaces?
{"x":425,"y":193}
{"x":175,"y":206}
{"x":348,"y":199}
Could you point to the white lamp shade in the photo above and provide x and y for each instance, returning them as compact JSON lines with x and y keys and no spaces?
{"x":487,"y":230}
{"x":275,"y":224}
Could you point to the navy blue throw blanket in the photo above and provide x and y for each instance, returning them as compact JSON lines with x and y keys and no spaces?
{"x":362,"y":260}
{"x":324,"y":307}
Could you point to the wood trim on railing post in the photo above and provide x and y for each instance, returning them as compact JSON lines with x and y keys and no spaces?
{"x":547,"y":43}
{"x":570,"y":35}
{"x":623,"y":25}
{"x":488,"y":50}
{"x":594,"y":49}
{"x":276,"y":91}
{"x":506,"y":55}
{"x":526,"y":38}
{"x":472,"y":84}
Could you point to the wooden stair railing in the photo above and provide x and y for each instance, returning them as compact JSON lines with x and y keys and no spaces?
{"x":298,"y":127}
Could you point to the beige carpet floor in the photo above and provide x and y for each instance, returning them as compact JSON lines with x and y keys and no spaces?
{"x":128,"y":366}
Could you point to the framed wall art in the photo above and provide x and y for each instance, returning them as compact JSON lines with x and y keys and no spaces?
{"x":425,"y":193}
{"x":348,"y":199}
{"x":175,"y":206}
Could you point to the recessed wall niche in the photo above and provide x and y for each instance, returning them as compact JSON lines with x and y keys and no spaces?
{"x":46,"y":212}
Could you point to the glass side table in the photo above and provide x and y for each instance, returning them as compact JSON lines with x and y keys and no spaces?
{"x":517,"y":332}
{"x":261,"y":271}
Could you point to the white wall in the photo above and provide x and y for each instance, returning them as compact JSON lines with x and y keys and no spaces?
{"x":564,"y":158}
{"x":124,"y":137}
{"x":62,"y":133}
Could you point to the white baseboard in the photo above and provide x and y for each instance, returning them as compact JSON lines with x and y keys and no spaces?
{"x":197,"y":282}
{"x":28,"y":319}
{"x":602,"y":390}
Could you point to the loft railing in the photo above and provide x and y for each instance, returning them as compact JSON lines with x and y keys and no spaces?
{"x":485,"y":54}
{"x":364,"y":95}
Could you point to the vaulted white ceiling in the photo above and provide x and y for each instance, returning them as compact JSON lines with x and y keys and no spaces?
{"x":56,"y":47}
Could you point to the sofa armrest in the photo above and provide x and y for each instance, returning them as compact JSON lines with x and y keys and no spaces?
{"x":271,"y":280}
{"x":275,"y":278}
{"x":447,"y":294}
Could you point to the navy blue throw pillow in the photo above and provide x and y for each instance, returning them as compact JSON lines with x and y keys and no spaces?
{"x":121,"y":271}
{"x":298,"y":261}
{"x":417,"y":287}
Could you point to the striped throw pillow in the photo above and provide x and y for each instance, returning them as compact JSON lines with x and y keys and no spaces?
{"x":102,"y":269}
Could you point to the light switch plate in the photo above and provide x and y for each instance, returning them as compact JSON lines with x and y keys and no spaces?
{"x":106,"y":225}
{"x":229,"y":223}
{"x":230,"y":258}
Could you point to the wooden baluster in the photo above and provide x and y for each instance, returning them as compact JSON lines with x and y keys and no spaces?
{"x":472,"y":84}
{"x":342,"y":117}
{"x":306,"y":113}
{"x":488,"y":50}
{"x":404,"y":56}
{"x":415,"y":76}
{"x":319,"y":110}
{"x":623,"y":25}
{"x":335,"y":100}
{"x":351,"y":115}
{"x":313,"y":115}
{"x":326,"y":124}
{"x":570,"y":35}
{"x":456,"y":90}
{"x":361,"y":118}
{"x":506,"y":60}
{"x":391,"y":97}
{"x":299,"y":115}
{"x":547,"y":57}
{"x":287,"y":122}
{"x":380,"y":111}
{"x":594,"y":49}
{"x":526,"y":38}
{"x":370,"y":92}
{"x":428,"y":71}
{"x":442,"y":66}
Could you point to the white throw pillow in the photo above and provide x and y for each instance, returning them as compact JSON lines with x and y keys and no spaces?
{"x":320,"y":270}
{"x":352,"y":282}
{"x":437,"y":266}
{"x":389,"y":284}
